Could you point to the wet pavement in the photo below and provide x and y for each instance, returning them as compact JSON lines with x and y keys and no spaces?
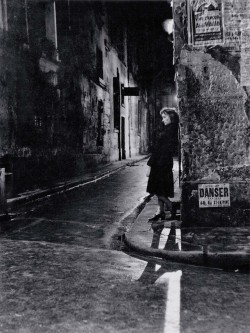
{"x":227,"y":248}
{"x":48,"y":287}
{"x":89,"y":214}
{"x":57,"y":288}
{"x":60,"y":272}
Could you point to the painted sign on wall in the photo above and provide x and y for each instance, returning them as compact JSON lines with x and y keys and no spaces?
{"x":214,"y":195}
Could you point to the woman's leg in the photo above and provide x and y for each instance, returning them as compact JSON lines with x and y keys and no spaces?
{"x":170,"y":206}
{"x":160,"y":214}
{"x":161,"y":206}
{"x":166,"y":201}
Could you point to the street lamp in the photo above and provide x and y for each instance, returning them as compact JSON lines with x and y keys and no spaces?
{"x":168,"y":26}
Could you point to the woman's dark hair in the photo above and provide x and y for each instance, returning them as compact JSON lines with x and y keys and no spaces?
{"x":173,"y":126}
{"x":173,"y":115}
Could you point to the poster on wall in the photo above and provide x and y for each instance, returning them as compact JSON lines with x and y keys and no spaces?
{"x":232,"y":25}
{"x":245,"y":58}
{"x":214,"y":195}
{"x":245,"y":44}
{"x":206,"y":22}
{"x":236,"y":22}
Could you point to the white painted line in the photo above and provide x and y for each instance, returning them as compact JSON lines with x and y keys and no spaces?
{"x":178,"y":238}
{"x":157,"y":267}
{"x":164,"y":238}
{"x":37,"y":221}
{"x":173,"y":301}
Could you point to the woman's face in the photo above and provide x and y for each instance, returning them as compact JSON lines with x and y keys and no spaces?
{"x":166,"y":119}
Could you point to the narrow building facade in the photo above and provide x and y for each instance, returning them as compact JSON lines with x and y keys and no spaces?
{"x":69,"y":98}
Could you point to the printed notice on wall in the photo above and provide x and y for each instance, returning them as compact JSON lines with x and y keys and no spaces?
{"x":214,"y":195}
{"x":232,"y":25}
{"x":245,"y":58}
{"x":206,"y":22}
{"x":236,"y":20}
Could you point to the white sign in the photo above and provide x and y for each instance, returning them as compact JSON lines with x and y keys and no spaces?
{"x":206,"y":22}
{"x":214,"y":195}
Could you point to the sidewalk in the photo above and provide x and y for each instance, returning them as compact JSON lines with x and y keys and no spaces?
{"x":226,"y":248}
{"x":90,"y":176}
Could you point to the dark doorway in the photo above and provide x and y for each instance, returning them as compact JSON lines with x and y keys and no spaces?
{"x":100,"y":126}
{"x":117,"y":108}
{"x":123,"y":139}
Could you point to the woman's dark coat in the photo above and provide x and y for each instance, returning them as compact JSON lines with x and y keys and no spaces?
{"x":160,"y":181}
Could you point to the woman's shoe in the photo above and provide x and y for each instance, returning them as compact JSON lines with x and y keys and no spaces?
{"x":157,"y":217}
{"x":173,"y":213}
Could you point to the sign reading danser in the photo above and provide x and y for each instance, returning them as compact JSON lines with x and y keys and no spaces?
{"x":214,"y":195}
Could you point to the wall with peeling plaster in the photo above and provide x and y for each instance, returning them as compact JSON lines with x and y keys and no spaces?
{"x":214,"y":115}
{"x":65,"y":144}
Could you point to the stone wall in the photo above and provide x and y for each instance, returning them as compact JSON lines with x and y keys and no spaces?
{"x":214,"y":125}
{"x":214,"y":121}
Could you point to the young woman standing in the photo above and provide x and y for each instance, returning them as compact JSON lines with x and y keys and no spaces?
{"x":160,"y":182}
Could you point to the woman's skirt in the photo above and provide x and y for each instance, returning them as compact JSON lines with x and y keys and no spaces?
{"x":161,"y":182}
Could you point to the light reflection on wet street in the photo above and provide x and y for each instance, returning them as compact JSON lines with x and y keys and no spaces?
{"x":59,"y":275}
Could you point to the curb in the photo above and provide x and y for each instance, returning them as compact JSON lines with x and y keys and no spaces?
{"x":230,"y":260}
{"x":57,"y":190}
{"x":127,"y":222}
{"x":226,"y":260}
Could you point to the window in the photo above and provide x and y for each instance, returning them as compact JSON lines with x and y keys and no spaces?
{"x":139,"y":117}
{"x":122,"y":95}
{"x":100,"y":125}
{"x":99,"y":63}
{"x":116,"y":101}
{"x":38,"y":122}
